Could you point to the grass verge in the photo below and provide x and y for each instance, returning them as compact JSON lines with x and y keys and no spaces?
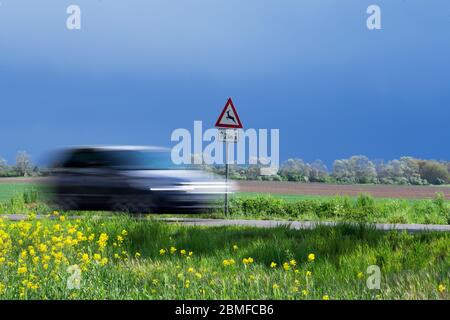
{"x":123,"y":258}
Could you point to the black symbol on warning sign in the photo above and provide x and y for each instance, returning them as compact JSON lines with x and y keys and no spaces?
{"x":230,"y":117}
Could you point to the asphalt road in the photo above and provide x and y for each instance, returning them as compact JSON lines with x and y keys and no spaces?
{"x":296,"y":225}
{"x":300,"y":225}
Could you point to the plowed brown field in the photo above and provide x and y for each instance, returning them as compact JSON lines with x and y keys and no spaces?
{"x":322,"y":189}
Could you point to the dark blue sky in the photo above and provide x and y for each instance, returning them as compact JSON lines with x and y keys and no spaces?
{"x":139,"y":69}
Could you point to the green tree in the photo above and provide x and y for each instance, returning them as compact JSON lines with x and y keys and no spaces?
{"x":434,"y":172}
{"x":24,"y":165}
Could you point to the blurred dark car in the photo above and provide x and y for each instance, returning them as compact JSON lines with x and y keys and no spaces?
{"x":132,"y":179}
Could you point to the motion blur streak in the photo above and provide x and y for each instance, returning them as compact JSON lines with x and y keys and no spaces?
{"x":131,"y":179}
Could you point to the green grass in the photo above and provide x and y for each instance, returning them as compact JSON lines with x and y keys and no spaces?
{"x":10,"y":190}
{"x":296,"y":197}
{"x":412,"y":265}
{"x":286,"y":197}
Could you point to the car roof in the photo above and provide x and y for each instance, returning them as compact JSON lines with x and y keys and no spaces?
{"x":117,"y":148}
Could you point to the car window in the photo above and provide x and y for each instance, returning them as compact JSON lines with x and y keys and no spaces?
{"x":85,"y":159}
{"x":142,"y":160}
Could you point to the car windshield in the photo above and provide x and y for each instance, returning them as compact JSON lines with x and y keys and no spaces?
{"x":124,"y":159}
{"x":142,"y":160}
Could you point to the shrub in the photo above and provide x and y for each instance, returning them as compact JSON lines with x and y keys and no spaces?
{"x":398,"y":217}
{"x":364,"y":207}
{"x":343,"y":208}
{"x":30,"y":196}
{"x":257,"y":206}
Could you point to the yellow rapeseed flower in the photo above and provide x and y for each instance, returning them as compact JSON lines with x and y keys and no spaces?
{"x":293,"y":263}
{"x":173,"y":249}
{"x":441,"y":288}
{"x":305,"y":292}
{"x":102,"y":240}
{"x":273,"y":265}
{"x":311,"y":257}
{"x":235,"y":247}
{"x":308,"y":273}
{"x":97,"y":257}
{"x":326,"y":297}
{"x":275,"y":286}
{"x":22,"y":270}
{"x":225,"y":262}
{"x":360,"y":275}
{"x":103,"y":261}
{"x":286,"y":266}
{"x":162,"y":251}
{"x":80,"y":236}
{"x":247,"y":261}
{"x":183,"y":252}
{"x":137,"y":254}
{"x":198,"y":275}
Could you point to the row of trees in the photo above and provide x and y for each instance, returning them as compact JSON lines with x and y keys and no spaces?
{"x":406,"y":170}
{"x":23,"y":167}
{"x":356,"y":169}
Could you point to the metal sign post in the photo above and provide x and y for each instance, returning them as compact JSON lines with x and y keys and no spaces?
{"x":227,"y":136}
{"x":228,"y":123}
{"x":226,"y":178}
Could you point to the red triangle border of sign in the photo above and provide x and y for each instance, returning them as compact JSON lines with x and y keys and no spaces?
{"x":236,"y":126}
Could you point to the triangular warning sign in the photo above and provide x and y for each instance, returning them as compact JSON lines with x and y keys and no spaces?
{"x":229,"y":117}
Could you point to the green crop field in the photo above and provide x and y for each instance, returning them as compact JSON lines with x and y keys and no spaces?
{"x":286,"y":197}
{"x":296,"y":197}
{"x":9,"y":190}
